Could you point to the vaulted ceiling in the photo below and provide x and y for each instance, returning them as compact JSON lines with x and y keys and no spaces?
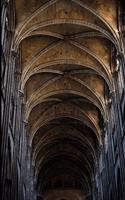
{"x":66,"y":57}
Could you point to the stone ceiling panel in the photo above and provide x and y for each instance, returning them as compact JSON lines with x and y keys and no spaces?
{"x":65,"y":52}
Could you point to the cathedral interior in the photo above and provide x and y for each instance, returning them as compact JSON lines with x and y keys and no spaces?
{"x":63,"y":100}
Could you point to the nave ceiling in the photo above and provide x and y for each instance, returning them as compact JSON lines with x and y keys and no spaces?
{"x":66,"y":49}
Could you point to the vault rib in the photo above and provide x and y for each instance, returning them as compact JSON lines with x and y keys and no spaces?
{"x":43,"y":7}
{"x":39,"y":100}
{"x":42,"y":52}
{"x":39,"y":68}
{"x":66,"y":21}
{"x":79,"y":2}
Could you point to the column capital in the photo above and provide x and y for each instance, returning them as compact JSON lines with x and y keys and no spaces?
{"x":119,"y":53}
{"x":14,"y":53}
{"x":17,"y":72}
{"x":25,"y":122}
{"x":112,"y":92}
{"x":5,"y":3}
{"x":21,"y":93}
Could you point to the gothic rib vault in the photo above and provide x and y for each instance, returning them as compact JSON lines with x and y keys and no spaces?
{"x":66,"y":57}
